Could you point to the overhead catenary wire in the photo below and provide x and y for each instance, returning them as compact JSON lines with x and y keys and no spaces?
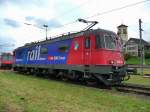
{"x":71,"y":10}
{"x":63,"y":15}
{"x":95,"y":15}
{"x":106,"y":12}
{"x":117,"y":9}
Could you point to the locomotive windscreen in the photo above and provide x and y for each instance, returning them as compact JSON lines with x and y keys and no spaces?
{"x":105,"y":41}
{"x":7,"y":57}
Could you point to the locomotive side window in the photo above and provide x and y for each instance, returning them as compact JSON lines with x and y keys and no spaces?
{"x":110,"y":42}
{"x":63,"y":48}
{"x":44,"y":50}
{"x":87,"y":42}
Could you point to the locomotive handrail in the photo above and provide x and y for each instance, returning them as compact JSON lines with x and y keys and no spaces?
{"x":63,"y":35}
{"x":67,"y":34}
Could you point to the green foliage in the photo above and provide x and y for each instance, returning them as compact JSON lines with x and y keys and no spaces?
{"x":139,"y":79}
{"x":147,"y":55}
{"x":127,"y":56}
{"x":133,"y":60}
{"x":136,"y":60}
{"x":147,"y":61}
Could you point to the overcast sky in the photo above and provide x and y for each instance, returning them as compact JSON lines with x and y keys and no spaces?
{"x":58,"y":13}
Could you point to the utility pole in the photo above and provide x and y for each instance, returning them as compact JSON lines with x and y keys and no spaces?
{"x":141,"y":46}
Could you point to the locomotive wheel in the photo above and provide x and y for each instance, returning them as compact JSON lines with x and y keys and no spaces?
{"x":64,"y":77}
{"x":59,"y":75}
{"x":73,"y":76}
{"x":91,"y":82}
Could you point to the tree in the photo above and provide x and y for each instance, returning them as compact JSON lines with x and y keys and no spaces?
{"x":147,"y":55}
{"x":127,"y":56}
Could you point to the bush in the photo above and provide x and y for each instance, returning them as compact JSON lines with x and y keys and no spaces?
{"x":127,"y":56}
{"x":147,"y":55}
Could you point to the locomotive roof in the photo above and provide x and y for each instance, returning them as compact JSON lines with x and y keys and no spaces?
{"x":67,"y":36}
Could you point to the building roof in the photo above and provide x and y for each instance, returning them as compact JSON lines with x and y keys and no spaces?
{"x":137,"y":41}
{"x":122,"y":25}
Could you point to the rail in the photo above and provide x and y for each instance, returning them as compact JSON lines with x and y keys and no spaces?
{"x":134,"y":88}
{"x":138,"y":66}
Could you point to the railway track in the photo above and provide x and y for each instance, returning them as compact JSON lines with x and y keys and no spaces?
{"x":134,"y":88}
{"x":138,"y":66}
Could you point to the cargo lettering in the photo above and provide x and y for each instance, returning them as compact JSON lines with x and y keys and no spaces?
{"x":34,"y":54}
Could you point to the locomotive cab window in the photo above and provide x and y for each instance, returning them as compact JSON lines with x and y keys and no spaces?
{"x":100,"y":41}
{"x":105,"y":41}
{"x":110,"y":42}
{"x":87,"y":42}
{"x":7,"y":57}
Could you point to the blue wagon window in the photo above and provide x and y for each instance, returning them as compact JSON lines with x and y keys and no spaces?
{"x":63,"y":48}
{"x":44,"y":50}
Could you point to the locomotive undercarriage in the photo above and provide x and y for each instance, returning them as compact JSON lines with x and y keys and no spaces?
{"x":107,"y":75}
{"x":5,"y":66}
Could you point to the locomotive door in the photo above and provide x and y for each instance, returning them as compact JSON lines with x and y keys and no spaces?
{"x":87,"y":50}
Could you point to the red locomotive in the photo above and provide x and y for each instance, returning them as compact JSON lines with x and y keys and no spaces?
{"x":91,"y":55}
{"x":6,"y":61}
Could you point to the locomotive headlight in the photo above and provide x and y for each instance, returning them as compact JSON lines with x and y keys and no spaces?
{"x":111,"y":62}
{"x":119,"y":62}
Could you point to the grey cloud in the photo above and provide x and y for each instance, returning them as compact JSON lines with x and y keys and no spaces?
{"x":6,"y":43}
{"x":29,"y":18}
{"x":6,"y":39}
{"x":11,"y":22}
{"x":52,"y":23}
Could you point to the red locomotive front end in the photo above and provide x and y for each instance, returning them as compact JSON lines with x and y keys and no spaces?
{"x":100,"y":53}
{"x":6,"y":60}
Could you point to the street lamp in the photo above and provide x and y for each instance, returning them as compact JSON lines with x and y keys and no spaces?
{"x":46,"y":26}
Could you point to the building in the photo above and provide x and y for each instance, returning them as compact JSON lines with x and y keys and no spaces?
{"x":133,"y":46}
{"x":123,"y":33}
